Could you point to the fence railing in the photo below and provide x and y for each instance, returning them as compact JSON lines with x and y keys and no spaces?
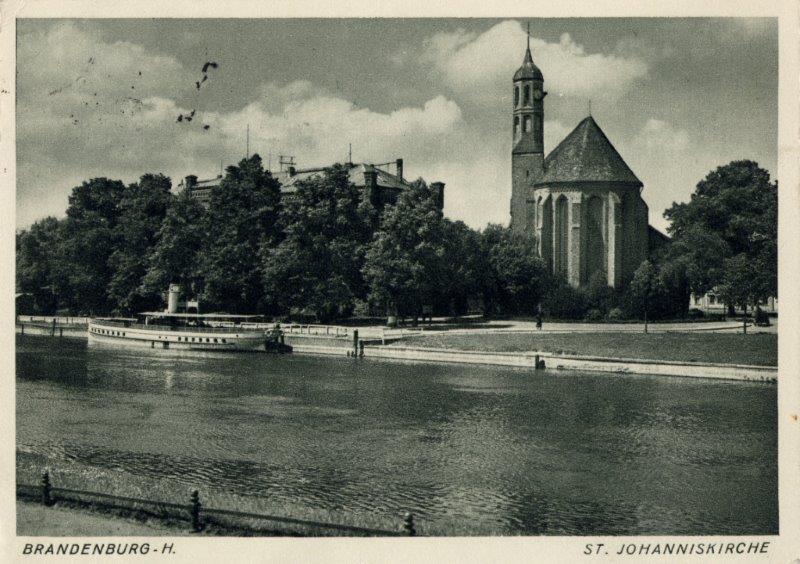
{"x":197,"y":516}
{"x":179,"y":328}
{"x":317,"y":330}
{"x":60,"y":320}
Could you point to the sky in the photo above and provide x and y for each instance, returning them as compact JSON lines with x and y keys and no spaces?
{"x":676,"y":97}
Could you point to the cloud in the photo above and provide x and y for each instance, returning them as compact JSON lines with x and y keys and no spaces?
{"x":480,"y":66}
{"x":753,"y":27}
{"x":317,"y":127}
{"x":78,"y":117}
{"x":67,"y":63}
{"x":659,"y":135}
{"x":665,"y":160}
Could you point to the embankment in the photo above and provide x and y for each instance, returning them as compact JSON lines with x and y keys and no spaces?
{"x":577,"y":362}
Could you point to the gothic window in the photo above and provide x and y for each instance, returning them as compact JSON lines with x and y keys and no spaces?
{"x":527,"y":124}
{"x":516,"y":126}
{"x":561,"y":238}
{"x":516,"y":96}
{"x":596,"y":247}
{"x":547,"y":231}
{"x":526,"y":98}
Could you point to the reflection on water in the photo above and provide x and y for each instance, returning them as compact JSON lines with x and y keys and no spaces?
{"x":516,"y":451}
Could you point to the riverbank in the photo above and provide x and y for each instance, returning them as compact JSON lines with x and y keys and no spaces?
{"x":712,"y":348}
{"x":690,"y":354}
{"x":36,"y":520}
{"x":543,"y":360}
{"x":103,"y":501}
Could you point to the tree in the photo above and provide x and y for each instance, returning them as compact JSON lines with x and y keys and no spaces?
{"x":739,"y":285}
{"x":466,"y":274}
{"x":242,"y":219}
{"x":518,"y":276}
{"x":37,"y":258}
{"x":327,"y":225}
{"x":405,"y":265}
{"x":175,"y":257}
{"x":142,"y":209}
{"x":89,"y":238}
{"x":730,"y":222}
{"x":644,"y":287}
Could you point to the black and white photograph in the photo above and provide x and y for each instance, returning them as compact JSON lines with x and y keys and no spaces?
{"x":509,"y":277}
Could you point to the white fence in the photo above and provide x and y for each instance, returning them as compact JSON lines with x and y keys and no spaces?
{"x":369,"y":333}
{"x":60,"y":320}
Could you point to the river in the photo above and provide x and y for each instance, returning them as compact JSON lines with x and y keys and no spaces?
{"x":498,"y":450}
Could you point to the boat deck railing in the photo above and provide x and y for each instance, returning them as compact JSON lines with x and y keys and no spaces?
{"x":186,"y":329}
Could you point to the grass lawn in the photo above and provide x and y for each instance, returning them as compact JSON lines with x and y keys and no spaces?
{"x":759,"y":349}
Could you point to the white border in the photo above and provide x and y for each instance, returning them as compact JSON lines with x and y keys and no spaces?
{"x":784,"y":547}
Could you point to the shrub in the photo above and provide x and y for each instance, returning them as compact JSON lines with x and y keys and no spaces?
{"x":695,"y":313}
{"x":594,"y":315}
{"x":615,"y":314}
{"x":599,"y":295}
{"x":761,"y":318}
{"x":564,"y":302}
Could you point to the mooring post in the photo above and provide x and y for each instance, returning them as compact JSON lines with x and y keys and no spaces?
{"x":60,"y":331}
{"x":408,"y":525}
{"x":361,"y":349}
{"x":196,"y":505}
{"x":536,"y":362}
{"x":47,"y":489}
{"x":53,"y":331}
{"x":22,"y":326}
{"x":355,"y":342}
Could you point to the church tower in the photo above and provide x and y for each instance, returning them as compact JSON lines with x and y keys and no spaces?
{"x":527,"y":154}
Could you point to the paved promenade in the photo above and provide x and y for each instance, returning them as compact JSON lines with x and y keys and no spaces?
{"x":578,"y":327}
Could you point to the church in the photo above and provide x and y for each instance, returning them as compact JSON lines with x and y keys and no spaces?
{"x":581,"y":201}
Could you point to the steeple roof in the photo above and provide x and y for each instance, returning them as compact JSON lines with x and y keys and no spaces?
{"x":586,"y":155}
{"x":528,"y":70}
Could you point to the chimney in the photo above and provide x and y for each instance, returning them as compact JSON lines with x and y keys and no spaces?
{"x":370,"y":177}
{"x":438,"y":189}
{"x":399,"y":165}
{"x":371,"y":183}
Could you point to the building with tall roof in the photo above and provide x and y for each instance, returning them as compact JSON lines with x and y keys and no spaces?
{"x":380,"y":185}
{"x":582,"y":201}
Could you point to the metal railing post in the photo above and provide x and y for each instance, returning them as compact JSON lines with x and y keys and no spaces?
{"x":408,"y":525}
{"x":47,"y":489}
{"x":197,"y":526}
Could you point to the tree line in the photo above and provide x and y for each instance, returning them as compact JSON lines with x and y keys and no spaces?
{"x":328,"y":252}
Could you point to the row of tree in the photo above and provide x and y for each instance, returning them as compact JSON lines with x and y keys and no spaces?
{"x":328,"y":252}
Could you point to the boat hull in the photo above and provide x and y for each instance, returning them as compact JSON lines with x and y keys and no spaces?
{"x":184,"y":339}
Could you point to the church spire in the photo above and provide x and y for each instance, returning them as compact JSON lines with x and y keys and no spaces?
{"x":528,"y":68}
{"x":528,"y":56}
{"x":528,"y":51}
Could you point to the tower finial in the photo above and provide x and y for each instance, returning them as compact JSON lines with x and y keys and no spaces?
{"x":529,"y":36}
